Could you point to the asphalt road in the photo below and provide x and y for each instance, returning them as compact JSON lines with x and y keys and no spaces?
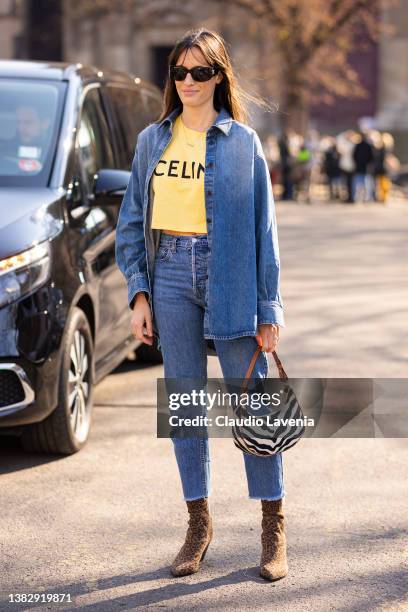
{"x":104,"y":524}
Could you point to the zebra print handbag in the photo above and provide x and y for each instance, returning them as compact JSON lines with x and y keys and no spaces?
{"x":264,"y":440}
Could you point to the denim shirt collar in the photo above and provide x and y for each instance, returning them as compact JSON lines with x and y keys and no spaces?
{"x":222,"y":122}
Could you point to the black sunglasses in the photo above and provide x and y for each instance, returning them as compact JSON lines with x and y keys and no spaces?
{"x":199,"y":73}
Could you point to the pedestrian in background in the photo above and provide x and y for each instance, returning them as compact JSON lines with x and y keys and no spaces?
{"x":363,"y":180}
{"x":346,"y":142}
{"x":331,"y":168}
{"x":212,"y":249}
{"x":382,"y":181}
{"x":385,"y":163}
{"x":286,"y":166}
{"x":303,"y":172}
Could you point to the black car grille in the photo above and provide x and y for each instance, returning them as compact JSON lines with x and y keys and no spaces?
{"x":11,"y":389}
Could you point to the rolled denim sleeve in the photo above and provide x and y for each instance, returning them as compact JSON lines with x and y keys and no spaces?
{"x":130,"y":247}
{"x":270,"y":304}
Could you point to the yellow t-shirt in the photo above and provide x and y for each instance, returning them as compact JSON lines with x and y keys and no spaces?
{"x":178,"y":182}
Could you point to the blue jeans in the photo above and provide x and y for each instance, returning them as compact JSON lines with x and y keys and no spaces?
{"x":365,"y":183}
{"x":179,"y":303}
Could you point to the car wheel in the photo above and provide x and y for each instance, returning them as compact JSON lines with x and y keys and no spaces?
{"x":66,"y":430}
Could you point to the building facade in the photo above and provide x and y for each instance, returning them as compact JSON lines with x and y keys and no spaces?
{"x":139,"y":40}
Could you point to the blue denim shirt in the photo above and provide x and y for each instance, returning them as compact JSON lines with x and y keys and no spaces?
{"x":243,"y":263}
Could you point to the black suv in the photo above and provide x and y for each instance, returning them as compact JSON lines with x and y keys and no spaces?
{"x":67,"y":139}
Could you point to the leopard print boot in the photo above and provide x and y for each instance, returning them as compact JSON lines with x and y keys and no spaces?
{"x":274,"y":563}
{"x":198,"y":538}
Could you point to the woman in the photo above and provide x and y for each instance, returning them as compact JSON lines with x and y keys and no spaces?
{"x":197,"y":243}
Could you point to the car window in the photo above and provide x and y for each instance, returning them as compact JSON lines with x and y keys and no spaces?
{"x":153,"y":105}
{"x":129,"y":116}
{"x":30,"y":118}
{"x":93,"y":142}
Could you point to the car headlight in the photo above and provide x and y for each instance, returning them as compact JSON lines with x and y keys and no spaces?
{"x":22,"y":273}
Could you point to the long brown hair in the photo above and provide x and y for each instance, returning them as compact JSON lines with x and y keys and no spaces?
{"x":227,"y":93}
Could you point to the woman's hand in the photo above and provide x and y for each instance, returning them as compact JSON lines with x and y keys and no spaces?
{"x":268,"y":337}
{"x":141,"y":317}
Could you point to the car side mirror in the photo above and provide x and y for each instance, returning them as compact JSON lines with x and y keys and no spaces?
{"x":109,"y":186}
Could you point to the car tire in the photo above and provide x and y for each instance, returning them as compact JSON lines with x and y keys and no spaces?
{"x":66,"y":430}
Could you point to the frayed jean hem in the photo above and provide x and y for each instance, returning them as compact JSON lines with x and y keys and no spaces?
{"x":267,"y":498}
{"x":197,"y":497}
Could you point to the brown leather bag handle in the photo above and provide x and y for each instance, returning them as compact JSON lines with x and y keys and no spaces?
{"x":282,"y":373}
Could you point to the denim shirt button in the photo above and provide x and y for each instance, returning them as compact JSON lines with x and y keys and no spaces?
{"x":210,"y":165}
{"x":209,"y":192}
{"x":208,"y":220}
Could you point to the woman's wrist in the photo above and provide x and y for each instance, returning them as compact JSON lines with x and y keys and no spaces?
{"x":140,"y":297}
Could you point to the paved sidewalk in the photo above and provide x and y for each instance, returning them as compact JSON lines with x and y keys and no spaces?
{"x":344,"y":282}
